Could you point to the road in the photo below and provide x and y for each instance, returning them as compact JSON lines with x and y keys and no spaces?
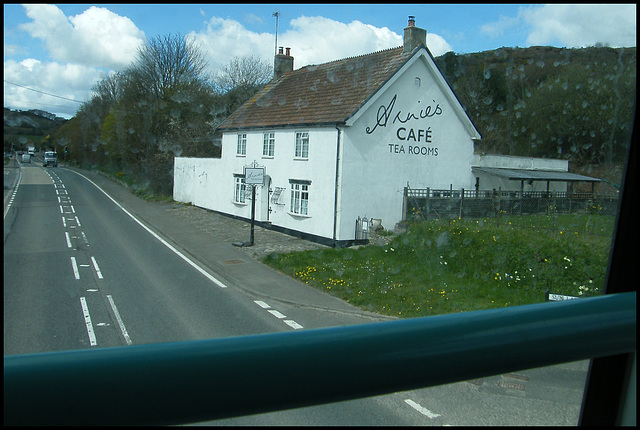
{"x":77,"y":263}
{"x":82,"y":272}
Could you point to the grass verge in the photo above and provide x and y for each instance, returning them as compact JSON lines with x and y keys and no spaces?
{"x":447,"y":266}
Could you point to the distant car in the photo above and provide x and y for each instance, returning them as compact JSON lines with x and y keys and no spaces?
{"x":26,"y":158}
{"x":50,"y":159}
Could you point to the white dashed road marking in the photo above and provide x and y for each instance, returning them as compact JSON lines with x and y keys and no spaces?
{"x":424,"y":411}
{"x":95,"y":266}
{"x":276,"y":314}
{"x":74,"y":265}
{"x":291,"y":323}
{"x":87,"y":321}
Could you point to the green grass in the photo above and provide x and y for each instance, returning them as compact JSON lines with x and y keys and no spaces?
{"x":441,"y":267}
{"x":139,"y":190}
{"x":595,"y":223}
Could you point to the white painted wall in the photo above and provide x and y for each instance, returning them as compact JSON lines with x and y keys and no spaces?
{"x":209,"y":183}
{"x":381,"y":157}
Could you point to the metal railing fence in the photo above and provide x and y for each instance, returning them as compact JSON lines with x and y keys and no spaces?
{"x":195,"y":381}
{"x":588,"y":213}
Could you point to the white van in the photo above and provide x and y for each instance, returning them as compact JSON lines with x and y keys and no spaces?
{"x":50,"y":159}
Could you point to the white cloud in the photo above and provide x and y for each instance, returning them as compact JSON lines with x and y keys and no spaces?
{"x":313,"y":40}
{"x":581,"y":25}
{"x":437,"y":44}
{"x":68,"y":81}
{"x":97,"y":37}
{"x":225,"y":39}
{"x":87,"y":45}
{"x":498,"y":28}
{"x":316,"y":40}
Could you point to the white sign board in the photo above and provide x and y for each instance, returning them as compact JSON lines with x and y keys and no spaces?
{"x":254,"y":175}
{"x":560,"y":297}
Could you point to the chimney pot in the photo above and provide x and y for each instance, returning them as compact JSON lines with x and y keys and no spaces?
{"x":280,"y":50}
{"x":413,"y":36}
{"x":282,"y":63}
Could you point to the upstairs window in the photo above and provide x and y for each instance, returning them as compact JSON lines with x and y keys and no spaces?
{"x":268,"y":145}
{"x":302,"y":145}
{"x":242,"y":144}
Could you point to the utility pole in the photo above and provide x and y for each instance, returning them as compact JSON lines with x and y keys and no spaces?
{"x":277,"y":15}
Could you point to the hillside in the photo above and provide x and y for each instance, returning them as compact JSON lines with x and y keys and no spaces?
{"x":24,"y":127}
{"x":548,"y":102}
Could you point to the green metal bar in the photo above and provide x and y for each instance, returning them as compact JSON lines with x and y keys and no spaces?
{"x":203,"y":380}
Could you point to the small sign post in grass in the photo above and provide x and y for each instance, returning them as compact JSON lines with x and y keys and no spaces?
{"x":551,"y":297}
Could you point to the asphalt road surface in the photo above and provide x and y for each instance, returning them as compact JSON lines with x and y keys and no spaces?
{"x":82,"y":271}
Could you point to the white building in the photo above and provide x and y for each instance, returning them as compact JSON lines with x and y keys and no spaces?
{"x":341,"y":140}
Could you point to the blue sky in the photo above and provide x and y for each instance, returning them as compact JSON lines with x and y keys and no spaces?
{"x":54,"y":54}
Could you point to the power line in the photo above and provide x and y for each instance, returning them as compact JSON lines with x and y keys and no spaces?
{"x":42,"y":92}
{"x":16,"y":102}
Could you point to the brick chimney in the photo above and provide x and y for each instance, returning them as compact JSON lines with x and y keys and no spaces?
{"x":282,"y":63}
{"x":413,"y":36}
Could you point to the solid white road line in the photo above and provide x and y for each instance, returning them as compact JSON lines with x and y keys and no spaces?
{"x":123,"y":330}
{"x":87,"y":321}
{"x":164,"y":242}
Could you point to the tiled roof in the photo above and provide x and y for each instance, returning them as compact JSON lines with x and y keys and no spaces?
{"x":321,"y":94}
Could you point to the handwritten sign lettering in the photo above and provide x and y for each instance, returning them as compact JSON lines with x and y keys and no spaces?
{"x":254,"y":175}
{"x":412,"y":140}
{"x":385,"y":113}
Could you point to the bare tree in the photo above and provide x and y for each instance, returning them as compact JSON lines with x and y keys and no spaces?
{"x":170,"y":63}
{"x":242,"y":73}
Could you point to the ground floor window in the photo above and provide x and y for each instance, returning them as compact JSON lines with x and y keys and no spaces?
{"x":300,"y":196}
{"x":240,"y":189}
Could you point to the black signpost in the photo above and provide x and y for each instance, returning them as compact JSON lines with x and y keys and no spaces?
{"x":253,"y":176}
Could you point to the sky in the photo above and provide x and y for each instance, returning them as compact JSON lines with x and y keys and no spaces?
{"x":55,"y":54}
